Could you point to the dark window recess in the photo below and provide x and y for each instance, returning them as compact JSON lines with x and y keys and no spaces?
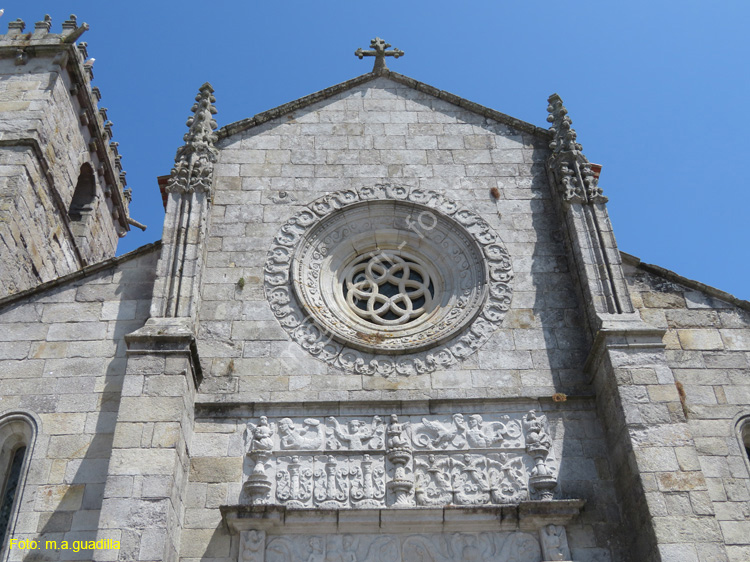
{"x":9,"y":490}
{"x":82,"y":205}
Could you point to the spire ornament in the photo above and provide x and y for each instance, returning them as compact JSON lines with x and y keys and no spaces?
{"x":379,"y":51}
{"x":195,"y":160}
{"x":576,"y":178}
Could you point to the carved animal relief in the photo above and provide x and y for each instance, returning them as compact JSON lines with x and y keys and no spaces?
{"x":349,"y":462}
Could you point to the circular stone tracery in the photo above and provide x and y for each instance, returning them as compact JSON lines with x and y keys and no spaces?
{"x":388,"y":279}
{"x":388,"y":290}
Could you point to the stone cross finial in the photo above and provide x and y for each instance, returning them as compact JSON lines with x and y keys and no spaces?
{"x":379,"y":47}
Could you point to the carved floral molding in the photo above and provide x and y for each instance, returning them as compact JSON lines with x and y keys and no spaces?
{"x":366,"y":462}
{"x":337,"y":279}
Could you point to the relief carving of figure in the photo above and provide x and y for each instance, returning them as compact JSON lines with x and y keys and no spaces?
{"x":554,"y":543}
{"x":397,"y":437}
{"x":307,"y":438}
{"x":481,"y":434}
{"x":260,"y":436}
{"x":316,"y":550}
{"x":357,"y":435}
{"x":536,"y":436}
{"x":439,"y":436}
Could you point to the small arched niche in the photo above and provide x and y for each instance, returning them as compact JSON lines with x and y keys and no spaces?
{"x":744,"y":431}
{"x":82,"y":204}
{"x":17,"y":432}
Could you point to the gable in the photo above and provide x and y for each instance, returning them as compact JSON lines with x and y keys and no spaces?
{"x":381,"y":135}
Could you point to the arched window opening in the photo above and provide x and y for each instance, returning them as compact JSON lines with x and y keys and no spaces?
{"x":16,"y":442}
{"x":82,"y":204}
{"x":12,"y":477}
{"x":745,"y":434}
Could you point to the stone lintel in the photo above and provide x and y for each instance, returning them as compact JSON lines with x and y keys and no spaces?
{"x":166,"y":336}
{"x":525,"y":516}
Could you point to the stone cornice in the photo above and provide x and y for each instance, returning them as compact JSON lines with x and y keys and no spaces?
{"x":243,"y":125}
{"x":80,"y":274}
{"x":217,"y":409}
{"x":631,"y":260}
{"x":524,"y":516}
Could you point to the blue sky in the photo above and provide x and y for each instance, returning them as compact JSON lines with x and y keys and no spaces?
{"x":656,"y":91}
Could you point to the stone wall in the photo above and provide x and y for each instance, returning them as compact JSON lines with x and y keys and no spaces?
{"x":383,"y":131}
{"x":62,"y":360}
{"x":43,"y":144}
{"x":708,"y":350}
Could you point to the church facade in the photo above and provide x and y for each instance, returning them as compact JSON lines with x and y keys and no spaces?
{"x":383,"y":323}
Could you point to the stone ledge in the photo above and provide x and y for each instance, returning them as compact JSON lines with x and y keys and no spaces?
{"x":166,"y":336}
{"x":525,"y":516}
{"x":210,"y":406}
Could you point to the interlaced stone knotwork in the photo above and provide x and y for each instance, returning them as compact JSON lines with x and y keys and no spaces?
{"x":389,"y":290}
{"x":379,"y":51}
{"x":469,"y":271}
{"x":576,"y":181}
{"x":195,"y":160}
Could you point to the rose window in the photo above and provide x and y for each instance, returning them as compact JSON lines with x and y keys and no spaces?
{"x":388,"y":279}
{"x":388,"y":290}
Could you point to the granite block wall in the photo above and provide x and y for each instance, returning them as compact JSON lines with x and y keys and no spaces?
{"x":43,"y":144}
{"x":383,"y":132}
{"x":708,"y":350}
{"x":62,"y":360}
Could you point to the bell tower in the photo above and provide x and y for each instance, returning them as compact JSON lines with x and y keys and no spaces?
{"x":63,"y":202}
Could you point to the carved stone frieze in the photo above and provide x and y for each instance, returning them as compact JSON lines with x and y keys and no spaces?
{"x":357,"y":461}
{"x":362,"y":278}
{"x":426,"y":547}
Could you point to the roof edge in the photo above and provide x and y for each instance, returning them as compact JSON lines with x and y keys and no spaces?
{"x":238,"y":126}
{"x":80,"y":274}
{"x":691,"y":283}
